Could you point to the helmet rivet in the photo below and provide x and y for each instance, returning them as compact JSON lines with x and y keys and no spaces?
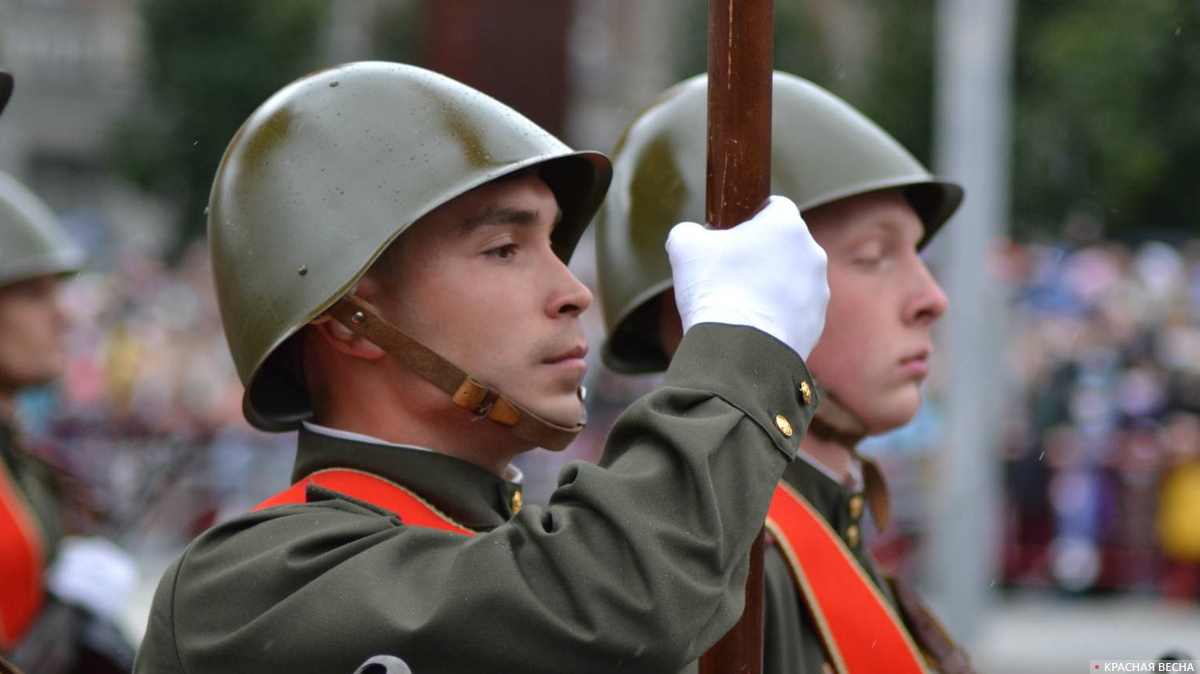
{"x":303,"y":269}
{"x":358,"y":318}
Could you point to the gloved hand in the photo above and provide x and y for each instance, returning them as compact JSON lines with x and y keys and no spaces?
{"x":766,"y":273}
{"x":94,"y":574}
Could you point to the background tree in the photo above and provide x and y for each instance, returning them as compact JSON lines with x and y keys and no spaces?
{"x":209,"y":65}
{"x":1107,"y":98}
{"x":1107,"y":108}
{"x":1108,"y":115}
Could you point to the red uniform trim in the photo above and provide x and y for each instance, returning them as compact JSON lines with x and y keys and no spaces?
{"x":22,"y":564}
{"x":412,"y":509}
{"x":858,"y":626}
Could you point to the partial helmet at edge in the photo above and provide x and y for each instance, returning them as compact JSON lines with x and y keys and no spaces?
{"x":34,"y":242}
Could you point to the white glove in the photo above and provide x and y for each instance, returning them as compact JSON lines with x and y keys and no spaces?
{"x":767,"y":273}
{"x":94,"y":574}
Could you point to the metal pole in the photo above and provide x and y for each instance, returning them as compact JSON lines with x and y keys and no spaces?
{"x":974,"y":68}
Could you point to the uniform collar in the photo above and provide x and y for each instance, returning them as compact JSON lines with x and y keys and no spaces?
{"x":468,"y":493}
{"x":834,"y":499}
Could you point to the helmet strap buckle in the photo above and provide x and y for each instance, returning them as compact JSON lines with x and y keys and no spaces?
{"x":475,"y":397}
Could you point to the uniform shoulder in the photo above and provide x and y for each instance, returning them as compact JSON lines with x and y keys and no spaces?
{"x":248,"y":564}
{"x":324,"y":512}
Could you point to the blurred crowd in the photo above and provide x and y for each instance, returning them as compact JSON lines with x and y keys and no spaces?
{"x":1100,"y":447}
{"x":1100,"y":456}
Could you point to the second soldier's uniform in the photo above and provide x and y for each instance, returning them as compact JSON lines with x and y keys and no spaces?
{"x":822,"y":151}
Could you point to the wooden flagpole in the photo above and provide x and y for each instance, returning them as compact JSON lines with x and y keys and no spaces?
{"x":741,"y":37}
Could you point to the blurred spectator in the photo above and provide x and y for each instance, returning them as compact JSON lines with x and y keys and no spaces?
{"x":147,"y":417}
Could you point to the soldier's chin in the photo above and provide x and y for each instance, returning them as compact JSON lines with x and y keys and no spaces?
{"x":562,"y":410}
{"x":894,"y":412}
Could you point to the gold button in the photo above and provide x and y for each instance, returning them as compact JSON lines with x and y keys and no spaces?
{"x":805,"y":393}
{"x":852,"y":535}
{"x":782,"y":424}
{"x":516,"y":502}
{"x":856,"y":506}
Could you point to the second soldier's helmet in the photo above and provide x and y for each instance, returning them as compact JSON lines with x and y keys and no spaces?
{"x":822,"y":150}
{"x":35,"y":244}
{"x":325,"y":175}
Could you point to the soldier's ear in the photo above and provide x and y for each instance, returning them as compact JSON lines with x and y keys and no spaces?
{"x":340,"y":338}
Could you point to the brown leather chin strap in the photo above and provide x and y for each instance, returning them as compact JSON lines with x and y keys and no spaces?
{"x":475,"y":397}
{"x":834,"y":422}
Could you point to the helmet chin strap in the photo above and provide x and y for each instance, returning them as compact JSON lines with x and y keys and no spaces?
{"x":834,"y":422}
{"x":466,"y":392}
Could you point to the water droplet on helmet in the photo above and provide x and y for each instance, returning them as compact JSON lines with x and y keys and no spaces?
{"x":303,"y":269}
{"x":334,"y":83}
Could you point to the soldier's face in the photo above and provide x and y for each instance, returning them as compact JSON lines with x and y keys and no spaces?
{"x":477,"y":281}
{"x":32,"y":334}
{"x":875,"y":350}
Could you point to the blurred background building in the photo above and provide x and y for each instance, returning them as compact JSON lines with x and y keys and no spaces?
{"x":1087,"y":542}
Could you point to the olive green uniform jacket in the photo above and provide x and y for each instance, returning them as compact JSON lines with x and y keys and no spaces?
{"x":36,"y":484}
{"x":637,"y":564}
{"x":793,"y":644}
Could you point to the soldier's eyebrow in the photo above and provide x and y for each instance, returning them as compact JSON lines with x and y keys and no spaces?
{"x":897,"y":228}
{"x":504,"y":215}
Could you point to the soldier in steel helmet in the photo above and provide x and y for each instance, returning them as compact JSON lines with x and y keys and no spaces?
{"x":45,"y":577}
{"x":390,"y":252}
{"x":872,"y":207}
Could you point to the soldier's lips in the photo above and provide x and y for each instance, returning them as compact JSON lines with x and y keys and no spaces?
{"x":572,"y":359}
{"x":916,"y":364}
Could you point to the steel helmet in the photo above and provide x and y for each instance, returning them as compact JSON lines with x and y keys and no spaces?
{"x":328,"y":172}
{"x":34,"y":242}
{"x":822,"y":150}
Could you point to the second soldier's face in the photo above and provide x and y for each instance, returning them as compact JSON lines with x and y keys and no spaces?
{"x":875,"y":349}
{"x":33,"y":330}
{"x":477,"y":281}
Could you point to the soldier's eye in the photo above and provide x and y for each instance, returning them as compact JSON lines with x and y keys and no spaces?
{"x":504,"y":252}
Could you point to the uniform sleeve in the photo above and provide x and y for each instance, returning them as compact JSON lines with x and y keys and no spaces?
{"x":637,"y":565}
